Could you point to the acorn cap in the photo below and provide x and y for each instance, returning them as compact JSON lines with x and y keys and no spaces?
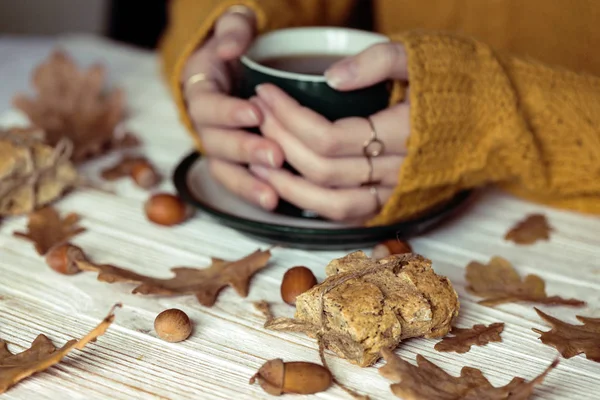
{"x":270,"y":377}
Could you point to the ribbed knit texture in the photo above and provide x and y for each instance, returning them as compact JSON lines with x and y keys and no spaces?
{"x":478,"y":116}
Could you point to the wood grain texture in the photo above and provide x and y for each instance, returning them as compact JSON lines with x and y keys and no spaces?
{"x":228,"y":343}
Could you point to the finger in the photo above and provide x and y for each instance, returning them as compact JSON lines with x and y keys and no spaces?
{"x":373,"y":65}
{"x":334,"y":204}
{"x":234,"y":32}
{"x":217,"y":109}
{"x":345,"y":137}
{"x":240,"y":147}
{"x":349,"y":172}
{"x":238,"y":180}
{"x":324,"y":171}
{"x":205,"y":61}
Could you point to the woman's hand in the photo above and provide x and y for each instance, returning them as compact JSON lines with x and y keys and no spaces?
{"x":220,"y":118}
{"x":330,"y":156}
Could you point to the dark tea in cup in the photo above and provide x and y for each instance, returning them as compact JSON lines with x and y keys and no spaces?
{"x":311,"y":64}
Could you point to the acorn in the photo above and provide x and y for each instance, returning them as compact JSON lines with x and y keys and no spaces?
{"x":173,"y":325}
{"x":165,"y":209}
{"x":296,"y":281}
{"x":389,"y":247}
{"x":276,"y":377}
{"x":63,"y":258}
{"x":144,"y":174}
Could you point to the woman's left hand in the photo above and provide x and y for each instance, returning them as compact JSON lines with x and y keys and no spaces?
{"x":337,"y":178}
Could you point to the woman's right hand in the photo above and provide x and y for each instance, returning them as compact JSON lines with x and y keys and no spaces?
{"x":220,"y":119}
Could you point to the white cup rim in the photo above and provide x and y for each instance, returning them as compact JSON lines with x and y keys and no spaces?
{"x":254,"y":65}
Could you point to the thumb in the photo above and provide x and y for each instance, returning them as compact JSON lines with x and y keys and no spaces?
{"x":233,"y":33}
{"x":373,"y":65}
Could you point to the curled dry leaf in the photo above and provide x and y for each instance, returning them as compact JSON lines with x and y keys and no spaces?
{"x":365,"y":305}
{"x":74,"y":103}
{"x":42,"y":354}
{"x":426,"y":381}
{"x":499,"y":283}
{"x":478,"y":335}
{"x":533,"y":228}
{"x":32,"y":173}
{"x":205,"y":284}
{"x":47,"y":229}
{"x":571,"y":340}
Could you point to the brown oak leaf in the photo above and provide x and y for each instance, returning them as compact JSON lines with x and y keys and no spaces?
{"x":528,"y":231}
{"x":571,"y":340}
{"x":74,"y":103}
{"x":205,"y":284}
{"x":47,"y":229}
{"x":42,"y":354}
{"x":478,"y":335}
{"x":499,"y":283}
{"x":426,"y":381}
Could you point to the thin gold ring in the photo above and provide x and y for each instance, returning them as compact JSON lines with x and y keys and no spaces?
{"x":198,"y":77}
{"x":373,"y":147}
{"x":375,"y":193}
{"x":370,"y":181}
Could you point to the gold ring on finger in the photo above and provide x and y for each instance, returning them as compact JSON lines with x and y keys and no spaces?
{"x":373,"y":147}
{"x":198,"y":77}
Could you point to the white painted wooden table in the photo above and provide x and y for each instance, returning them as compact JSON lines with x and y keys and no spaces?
{"x":229,"y":343}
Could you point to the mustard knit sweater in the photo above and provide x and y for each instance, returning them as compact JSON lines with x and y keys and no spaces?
{"x":502,"y":92}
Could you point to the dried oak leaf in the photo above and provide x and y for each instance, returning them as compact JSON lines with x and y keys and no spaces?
{"x":478,"y":335}
{"x":571,"y":340}
{"x":499,"y":283}
{"x":47,"y":229}
{"x":32,"y":173}
{"x":74,"y":103}
{"x":528,"y":231}
{"x":426,"y":381}
{"x":205,"y":284}
{"x":42,"y":354}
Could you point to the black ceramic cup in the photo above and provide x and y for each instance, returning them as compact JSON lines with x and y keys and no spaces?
{"x":295,"y":59}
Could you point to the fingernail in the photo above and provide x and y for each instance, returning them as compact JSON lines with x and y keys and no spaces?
{"x":246,"y":116}
{"x":261,"y":172}
{"x":344,"y":72}
{"x":263,"y":92}
{"x":264,"y":200}
{"x":265,"y":156}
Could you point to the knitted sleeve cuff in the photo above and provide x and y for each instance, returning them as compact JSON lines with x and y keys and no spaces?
{"x":465,"y":124}
{"x":479,"y":117}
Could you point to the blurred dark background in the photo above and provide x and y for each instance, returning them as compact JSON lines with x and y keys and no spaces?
{"x":138,"y":23}
{"x":146,"y":31}
{"x":130,"y":22}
